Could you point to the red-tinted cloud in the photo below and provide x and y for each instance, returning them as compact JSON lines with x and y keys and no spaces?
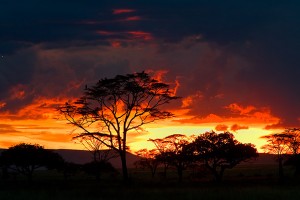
{"x":107,"y":33}
{"x":2,"y":104}
{"x":18,"y":92}
{"x":122,"y":11}
{"x":234,"y":107}
{"x":133,"y":18}
{"x":128,"y":36}
{"x":140,"y":35}
{"x":221,"y":127}
{"x":116,"y":44}
{"x":236,"y":127}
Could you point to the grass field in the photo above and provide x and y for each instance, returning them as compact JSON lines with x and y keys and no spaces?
{"x":245,"y":182}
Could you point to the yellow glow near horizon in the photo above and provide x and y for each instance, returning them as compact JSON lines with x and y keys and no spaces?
{"x":56,"y":134}
{"x":251,"y":135}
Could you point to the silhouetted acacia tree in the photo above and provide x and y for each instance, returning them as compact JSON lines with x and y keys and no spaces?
{"x":176,"y":153}
{"x":118,"y":106}
{"x":148,"y":160}
{"x":26,"y":158}
{"x":221,"y":151}
{"x":278,"y":144}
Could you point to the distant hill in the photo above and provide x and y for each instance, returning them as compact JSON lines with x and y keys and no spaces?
{"x":265,"y":158}
{"x":262,"y":159}
{"x":82,"y":156}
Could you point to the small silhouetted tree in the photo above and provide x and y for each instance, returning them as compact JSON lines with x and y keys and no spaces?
{"x":221,"y":151}
{"x":176,"y":153}
{"x":26,"y":158}
{"x":148,"y":160}
{"x":119,"y":106}
{"x":278,"y":144}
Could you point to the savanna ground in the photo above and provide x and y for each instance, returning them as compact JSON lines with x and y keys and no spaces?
{"x":246,"y":181}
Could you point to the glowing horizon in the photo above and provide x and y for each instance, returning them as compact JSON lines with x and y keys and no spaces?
{"x":57,"y":134}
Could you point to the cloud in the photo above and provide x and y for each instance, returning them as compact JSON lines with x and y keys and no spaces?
{"x":122,"y":11}
{"x":7,"y":129}
{"x":221,"y":127}
{"x":140,"y":35}
{"x":133,"y":18}
{"x":17,"y":92}
{"x":236,"y":127}
{"x":234,"y":107}
{"x":53,"y":137}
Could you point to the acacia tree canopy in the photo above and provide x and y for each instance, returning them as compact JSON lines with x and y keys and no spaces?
{"x":118,"y":106}
{"x":221,"y":151}
{"x":174,"y":151}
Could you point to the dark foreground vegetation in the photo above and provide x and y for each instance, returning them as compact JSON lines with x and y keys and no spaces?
{"x":246,"y":181}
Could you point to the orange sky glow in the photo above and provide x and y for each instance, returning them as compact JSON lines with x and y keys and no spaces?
{"x":41,"y":123}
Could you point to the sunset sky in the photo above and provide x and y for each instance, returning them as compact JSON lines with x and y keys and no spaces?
{"x":234,"y":63}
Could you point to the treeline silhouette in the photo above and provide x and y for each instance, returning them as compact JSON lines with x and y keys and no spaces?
{"x":216,"y":152}
{"x":210,"y":151}
{"x":25,"y":159}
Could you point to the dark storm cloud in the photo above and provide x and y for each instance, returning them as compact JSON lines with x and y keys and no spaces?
{"x":46,"y":21}
{"x":16,"y":69}
{"x":223,"y":22}
{"x":32,"y":22}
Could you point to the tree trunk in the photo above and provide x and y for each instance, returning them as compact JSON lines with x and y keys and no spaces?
{"x":218,"y":174}
{"x":124,"y":166}
{"x":152,"y":169}
{"x":218,"y":177}
{"x":221,"y":173}
{"x":214,"y":171}
{"x":165,"y":170}
{"x":280,"y":170}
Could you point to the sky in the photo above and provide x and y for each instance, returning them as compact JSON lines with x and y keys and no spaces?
{"x":234,"y":63}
